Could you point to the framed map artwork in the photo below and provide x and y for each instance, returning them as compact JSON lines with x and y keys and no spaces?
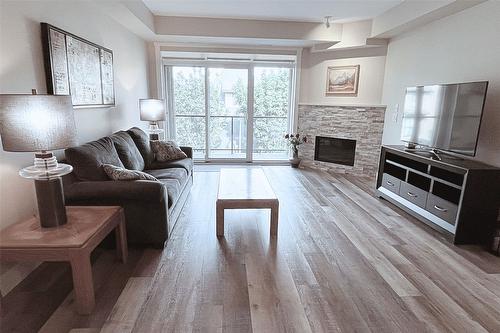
{"x":74,"y":66}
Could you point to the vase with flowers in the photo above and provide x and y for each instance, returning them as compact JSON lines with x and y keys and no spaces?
{"x":294,"y":141}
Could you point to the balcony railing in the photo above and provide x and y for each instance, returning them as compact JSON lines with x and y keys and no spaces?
{"x":278,"y":152}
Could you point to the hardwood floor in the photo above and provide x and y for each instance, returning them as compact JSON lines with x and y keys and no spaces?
{"x":344,"y":261}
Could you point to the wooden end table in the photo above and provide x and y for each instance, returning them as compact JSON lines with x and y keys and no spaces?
{"x":242,"y":188}
{"x":73,"y":242}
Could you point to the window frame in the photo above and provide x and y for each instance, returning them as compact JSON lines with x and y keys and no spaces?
{"x":250,"y":65}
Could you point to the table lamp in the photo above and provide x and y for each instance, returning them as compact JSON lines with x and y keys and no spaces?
{"x":39,"y":124}
{"x":153,"y":110}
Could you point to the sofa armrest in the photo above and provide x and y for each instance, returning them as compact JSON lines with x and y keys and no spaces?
{"x":137,"y":190}
{"x":188,"y":151}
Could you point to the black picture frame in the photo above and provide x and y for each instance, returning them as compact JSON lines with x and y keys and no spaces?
{"x":77,"y":67}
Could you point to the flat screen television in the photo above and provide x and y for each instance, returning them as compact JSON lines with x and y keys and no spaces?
{"x":444,"y":116}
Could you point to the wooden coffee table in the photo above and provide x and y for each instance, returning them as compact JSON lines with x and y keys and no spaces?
{"x":73,"y":242}
{"x":247,"y":188}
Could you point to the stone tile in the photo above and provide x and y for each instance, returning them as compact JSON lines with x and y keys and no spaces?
{"x":363,"y":124}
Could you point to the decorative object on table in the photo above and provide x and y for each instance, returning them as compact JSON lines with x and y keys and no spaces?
{"x":342,"y":80}
{"x":294,"y":141}
{"x":40,"y":123}
{"x":118,"y":173}
{"x":166,"y":151}
{"x":153,"y":110}
{"x":74,"y":66}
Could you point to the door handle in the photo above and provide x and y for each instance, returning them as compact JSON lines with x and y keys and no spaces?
{"x":413,"y":195}
{"x":390,"y":183}
{"x":441,"y":209}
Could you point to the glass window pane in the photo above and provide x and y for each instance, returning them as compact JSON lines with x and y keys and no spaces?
{"x":272,"y":91}
{"x":271,"y":112}
{"x":227,"y":91}
{"x":189,"y":90}
{"x":190,"y":131}
{"x":228,"y":137}
{"x":269,"y":142}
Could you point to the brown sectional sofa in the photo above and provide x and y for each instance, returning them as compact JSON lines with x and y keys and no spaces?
{"x":151,"y":208}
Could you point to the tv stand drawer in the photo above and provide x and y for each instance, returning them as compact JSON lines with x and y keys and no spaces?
{"x":391,"y":183}
{"x":413,"y":194}
{"x":442,"y":208}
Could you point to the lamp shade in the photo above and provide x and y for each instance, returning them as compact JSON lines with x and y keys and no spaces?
{"x":31,"y":123}
{"x":152,"y":109}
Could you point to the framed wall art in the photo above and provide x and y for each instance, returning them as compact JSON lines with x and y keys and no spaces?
{"x":74,"y":66}
{"x":342,"y":80}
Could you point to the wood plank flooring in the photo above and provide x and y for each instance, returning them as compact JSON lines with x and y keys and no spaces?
{"x":344,"y":261}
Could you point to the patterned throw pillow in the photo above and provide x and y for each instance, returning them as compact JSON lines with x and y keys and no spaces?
{"x":118,"y":173}
{"x":166,"y":151}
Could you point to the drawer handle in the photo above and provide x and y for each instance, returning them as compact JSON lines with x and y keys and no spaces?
{"x":413,"y":195}
{"x":441,"y":209}
{"x":390,"y":183}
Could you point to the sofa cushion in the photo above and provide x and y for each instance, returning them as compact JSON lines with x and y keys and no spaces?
{"x":179,"y":174}
{"x":127,"y":151}
{"x":87,"y":159}
{"x":118,"y":173}
{"x":141,"y":140}
{"x":166,"y":151}
{"x":173,"y":190}
{"x":185,"y":163}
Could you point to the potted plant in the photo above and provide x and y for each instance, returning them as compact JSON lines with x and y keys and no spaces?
{"x":294,"y":141}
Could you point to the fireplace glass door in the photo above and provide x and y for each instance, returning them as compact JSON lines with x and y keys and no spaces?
{"x":335,"y":150}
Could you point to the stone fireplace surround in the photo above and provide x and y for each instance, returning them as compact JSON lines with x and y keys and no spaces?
{"x":361,"y":123}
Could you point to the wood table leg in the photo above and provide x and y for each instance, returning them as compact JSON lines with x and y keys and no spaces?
{"x":121,"y":241}
{"x":82,"y":281}
{"x":274,"y":218}
{"x":219,"y":208}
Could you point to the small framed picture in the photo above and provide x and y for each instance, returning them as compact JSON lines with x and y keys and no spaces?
{"x":342,"y":80}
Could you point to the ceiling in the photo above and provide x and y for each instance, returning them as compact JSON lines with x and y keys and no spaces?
{"x":289,"y":10}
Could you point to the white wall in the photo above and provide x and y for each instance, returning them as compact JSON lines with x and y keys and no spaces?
{"x":313,"y":76}
{"x":458,"y":48}
{"x":21,"y":69}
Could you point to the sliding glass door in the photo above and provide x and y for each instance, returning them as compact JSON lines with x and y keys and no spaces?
{"x":227,"y":113}
{"x":272,"y":100}
{"x":188,"y":102}
{"x":230,"y":111}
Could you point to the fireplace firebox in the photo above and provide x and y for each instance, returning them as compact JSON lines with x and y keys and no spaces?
{"x":334,"y":150}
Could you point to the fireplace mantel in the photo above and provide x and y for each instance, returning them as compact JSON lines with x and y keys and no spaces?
{"x":361,"y":123}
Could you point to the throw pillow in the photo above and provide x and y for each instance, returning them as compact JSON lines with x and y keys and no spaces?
{"x":118,"y":173}
{"x":167,"y":151}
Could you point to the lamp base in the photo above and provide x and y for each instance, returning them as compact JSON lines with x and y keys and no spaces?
{"x":154,"y":131}
{"x":50,"y":199}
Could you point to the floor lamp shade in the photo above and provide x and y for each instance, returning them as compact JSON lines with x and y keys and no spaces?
{"x":152,"y":109}
{"x":32,"y":123}
{"x":40,"y":123}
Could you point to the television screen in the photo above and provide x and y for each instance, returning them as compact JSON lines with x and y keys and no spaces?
{"x":445,"y":116}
